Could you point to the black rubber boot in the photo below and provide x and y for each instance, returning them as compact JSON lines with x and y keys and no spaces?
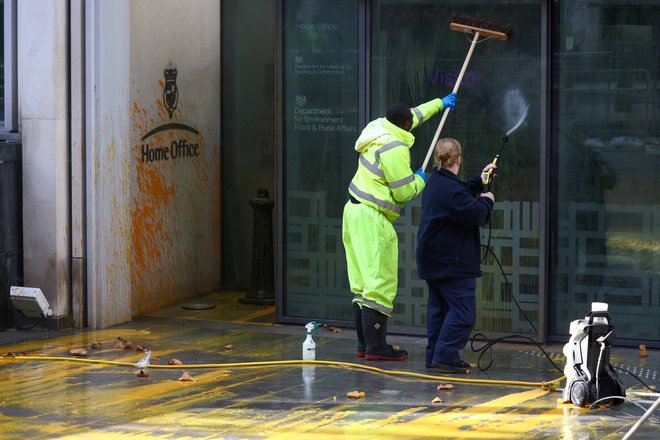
{"x":374,"y":328}
{"x":357,"y":315}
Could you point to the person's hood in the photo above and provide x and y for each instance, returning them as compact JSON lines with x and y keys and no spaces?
{"x":380,"y":128}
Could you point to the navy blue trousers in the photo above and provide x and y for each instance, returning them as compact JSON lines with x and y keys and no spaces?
{"x":450,"y":316}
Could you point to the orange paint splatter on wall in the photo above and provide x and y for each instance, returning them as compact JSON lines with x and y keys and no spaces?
{"x":152,"y":201}
{"x":175,"y":207}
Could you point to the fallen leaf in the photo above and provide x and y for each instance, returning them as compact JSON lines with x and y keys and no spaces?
{"x":97,"y":345}
{"x":78,"y":352}
{"x":174,"y":362}
{"x":334,"y":397}
{"x":155,"y":358}
{"x":9,"y":355}
{"x":445,"y":386}
{"x":142,"y":373}
{"x":140,"y":348}
{"x":120,"y":343}
{"x":229,"y":347}
{"x":22,"y":353}
{"x":334,"y":329}
{"x":185,"y":377}
{"x":642,"y":351}
{"x":436,"y":400}
{"x":356,"y":394}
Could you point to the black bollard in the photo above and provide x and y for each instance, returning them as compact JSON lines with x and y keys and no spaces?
{"x":261,"y":290}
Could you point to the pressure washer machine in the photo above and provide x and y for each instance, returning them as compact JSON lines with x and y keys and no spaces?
{"x":589,"y":374}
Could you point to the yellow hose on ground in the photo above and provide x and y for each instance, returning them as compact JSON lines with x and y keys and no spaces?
{"x":550,"y":385}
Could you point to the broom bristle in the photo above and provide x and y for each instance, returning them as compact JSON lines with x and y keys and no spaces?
{"x":483,"y":27}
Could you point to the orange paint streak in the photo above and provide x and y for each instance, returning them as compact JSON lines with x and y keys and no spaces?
{"x":151,"y":202}
{"x":152,"y":199}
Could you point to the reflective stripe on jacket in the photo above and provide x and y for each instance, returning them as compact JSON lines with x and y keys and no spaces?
{"x":384,"y":179}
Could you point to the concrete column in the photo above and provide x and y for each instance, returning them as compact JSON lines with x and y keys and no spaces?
{"x":42,"y":62}
{"x":107,"y":150}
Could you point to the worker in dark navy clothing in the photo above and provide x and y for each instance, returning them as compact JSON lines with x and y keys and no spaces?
{"x":449,"y":255}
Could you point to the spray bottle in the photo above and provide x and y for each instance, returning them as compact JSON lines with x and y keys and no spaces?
{"x":309,"y":346}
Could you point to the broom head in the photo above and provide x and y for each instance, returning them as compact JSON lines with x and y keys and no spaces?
{"x":463,"y":24}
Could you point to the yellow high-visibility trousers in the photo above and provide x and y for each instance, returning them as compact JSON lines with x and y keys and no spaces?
{"x":372,"y":256}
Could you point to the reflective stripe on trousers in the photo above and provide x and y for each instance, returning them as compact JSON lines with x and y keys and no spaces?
{"x":359,"y":299}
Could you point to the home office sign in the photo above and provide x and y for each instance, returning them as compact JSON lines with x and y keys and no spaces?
{"x":179,"y":148}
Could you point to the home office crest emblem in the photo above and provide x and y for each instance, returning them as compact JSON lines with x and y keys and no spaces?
{"x":170,"y":92}
{"x":182,"y":141}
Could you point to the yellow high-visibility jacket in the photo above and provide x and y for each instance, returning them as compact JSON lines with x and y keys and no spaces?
{"x":383,"y":179}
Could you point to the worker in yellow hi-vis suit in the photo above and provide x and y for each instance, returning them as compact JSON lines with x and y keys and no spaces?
{"x":382,"y":184}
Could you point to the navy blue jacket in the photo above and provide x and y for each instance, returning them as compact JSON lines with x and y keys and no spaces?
{"x":448,"y":240}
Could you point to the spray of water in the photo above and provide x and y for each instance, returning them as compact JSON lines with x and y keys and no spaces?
{"x":516,"y":109}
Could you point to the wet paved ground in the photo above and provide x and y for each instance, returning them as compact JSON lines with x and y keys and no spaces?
{"x":54,"y":398}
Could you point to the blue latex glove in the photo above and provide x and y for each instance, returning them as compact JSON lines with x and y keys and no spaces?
{"x":449,"y":101}
{"x":421,"y":174}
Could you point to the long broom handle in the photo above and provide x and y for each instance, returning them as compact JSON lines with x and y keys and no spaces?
{"x":446,"y":112}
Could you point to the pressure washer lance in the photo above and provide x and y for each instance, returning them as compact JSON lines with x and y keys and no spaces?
{"x":589,"y":374}
{"x":309,"y":346}
{"x":487,"y":177}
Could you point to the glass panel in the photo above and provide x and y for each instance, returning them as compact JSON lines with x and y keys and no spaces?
{"x":415,"y":58}
{"x":248,"y":128}
{"x":321,"y":52}
{"x":606,"y":136}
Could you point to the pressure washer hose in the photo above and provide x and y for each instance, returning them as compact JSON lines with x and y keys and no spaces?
{"x":550,"y":385}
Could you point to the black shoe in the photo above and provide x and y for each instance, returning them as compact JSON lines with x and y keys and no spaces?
{"x":458,"y":367}
{"x":374,"y":326}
